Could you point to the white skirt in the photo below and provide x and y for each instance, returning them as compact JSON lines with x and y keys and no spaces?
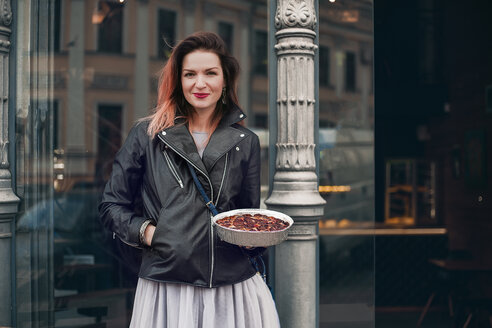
{"x":248,"y":304}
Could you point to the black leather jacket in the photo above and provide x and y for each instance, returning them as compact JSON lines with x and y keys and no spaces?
{"x":184,"y":249}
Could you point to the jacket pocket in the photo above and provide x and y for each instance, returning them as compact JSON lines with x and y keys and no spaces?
{"x":158,"y":222}
{"x":173,"y":170}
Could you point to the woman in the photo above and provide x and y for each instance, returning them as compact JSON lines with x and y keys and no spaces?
{"x":189,"y":277}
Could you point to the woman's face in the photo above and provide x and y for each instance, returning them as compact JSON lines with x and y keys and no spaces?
{"x":202,"y":80}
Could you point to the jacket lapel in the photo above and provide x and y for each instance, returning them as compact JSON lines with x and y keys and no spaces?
{"x":180,"y":140}
{"x":224,"y":137}
{"x":222,"y":140}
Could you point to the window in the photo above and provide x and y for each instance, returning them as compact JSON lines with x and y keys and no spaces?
{"x":350,"y":71}
{"x":109,"y":138}
{"x":110,"y":38}
{"x":261,"y":53}
{"x":261,"y":121}
{"x":56,"y":124}
{"x":226,"y":32}
{"x":166,"y":33}
{"x":57,"y":27}
{"x":324,"y":66}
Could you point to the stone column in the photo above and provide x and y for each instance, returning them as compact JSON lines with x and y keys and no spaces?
{"x":209,"y":23}
{"x":189,"y":16}
{"x":8,"y":200}
{"x":295,"y":186}
{"x":142,"y":81}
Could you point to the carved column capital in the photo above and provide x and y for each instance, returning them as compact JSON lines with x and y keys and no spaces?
{"x":5,"y":13}
{"x":295,"y":13}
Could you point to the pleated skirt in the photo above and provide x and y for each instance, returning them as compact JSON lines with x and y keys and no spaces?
{"x":248,"y":304}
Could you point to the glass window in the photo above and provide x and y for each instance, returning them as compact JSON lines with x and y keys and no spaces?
{"x":109,"y":139}
{"x":261,"y":121}
{"x":56,"y":123}
{"x":166,"y":32}
{"x":110,"y":36}
{"x":57,"y":26}
{"x":350,"y":72}
{"x":226,"y":32}
{"x":261,"y":53}
{"x":346,"y":167}
{"x":324,"y":66}
{"x":65,"y":147}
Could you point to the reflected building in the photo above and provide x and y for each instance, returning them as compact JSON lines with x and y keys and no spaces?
{"x":94,"y":72}
{"x":108,"y":55}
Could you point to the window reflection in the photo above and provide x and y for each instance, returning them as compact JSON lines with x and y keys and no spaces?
{"x":97,"y":91}
{"x":324,"y":66}
{"x":226,"y":32}
{"x":166,"y":32}
{"x":350,"y":71}
{"x":261,"y":53}
{"x":109,"y":16}
{"x":346,"y":162}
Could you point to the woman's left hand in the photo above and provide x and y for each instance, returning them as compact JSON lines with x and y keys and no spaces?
{"x":149,"y":234}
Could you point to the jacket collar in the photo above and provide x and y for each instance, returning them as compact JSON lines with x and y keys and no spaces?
{"x":222,"y":140}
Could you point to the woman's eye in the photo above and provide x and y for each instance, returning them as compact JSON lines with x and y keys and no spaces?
{"x":212,"y":73}
{"x":188,"y":74}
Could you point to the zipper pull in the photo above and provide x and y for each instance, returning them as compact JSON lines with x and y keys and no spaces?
{"x":114,"y":235}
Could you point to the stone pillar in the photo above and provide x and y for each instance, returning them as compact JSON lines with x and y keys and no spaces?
{"x":209,"y":23}
{"x":189,"y":16}
{"x":295,"y":186}
{"x":8,"y":200}
{"x":142,"y":82}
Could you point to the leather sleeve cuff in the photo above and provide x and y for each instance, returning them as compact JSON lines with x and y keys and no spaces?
{"x":134,"y":230}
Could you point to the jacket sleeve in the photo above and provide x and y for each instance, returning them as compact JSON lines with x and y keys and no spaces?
{"x":117,"y":208}
{"x":250,"y":188}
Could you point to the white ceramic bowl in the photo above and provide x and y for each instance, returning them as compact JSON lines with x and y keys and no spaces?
{"x":252,"y":238}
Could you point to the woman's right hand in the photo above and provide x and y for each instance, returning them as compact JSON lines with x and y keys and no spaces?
{"x":149,"y":234}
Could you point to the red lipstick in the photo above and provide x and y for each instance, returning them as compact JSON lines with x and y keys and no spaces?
{"x":200,"y":95}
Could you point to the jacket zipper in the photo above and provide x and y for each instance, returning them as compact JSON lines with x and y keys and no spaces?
{"x":222,"y":181}
{"x":173,"y":169}
{"x":193,"y":164}
{"x":211,"y":216}
{"x":211,"y":194}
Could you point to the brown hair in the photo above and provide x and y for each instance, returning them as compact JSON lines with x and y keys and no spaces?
{"x":170,"y":99}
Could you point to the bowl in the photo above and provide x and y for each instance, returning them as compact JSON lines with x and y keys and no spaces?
{"x":252,"y":238}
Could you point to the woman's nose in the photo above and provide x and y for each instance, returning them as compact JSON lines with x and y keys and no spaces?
{"x":200,"y":83}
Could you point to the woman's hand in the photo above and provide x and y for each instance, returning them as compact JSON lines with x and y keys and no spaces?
{"x":149,"y":234}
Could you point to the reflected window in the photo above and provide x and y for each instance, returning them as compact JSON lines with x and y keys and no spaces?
{"x":110,"y":37}
{"x":226,"y":32}
{"x":261,"y":53}
{"x":324,"y":66}
{"x":166,"y":33}
{"x":56,"y":124}
{"x":109,"y":142}
{"x":350,"y":71}
{"x":57,"y":27}
{"x":261,"y":121}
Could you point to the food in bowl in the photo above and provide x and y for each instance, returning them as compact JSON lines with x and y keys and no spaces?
{"x":256,"y":222}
